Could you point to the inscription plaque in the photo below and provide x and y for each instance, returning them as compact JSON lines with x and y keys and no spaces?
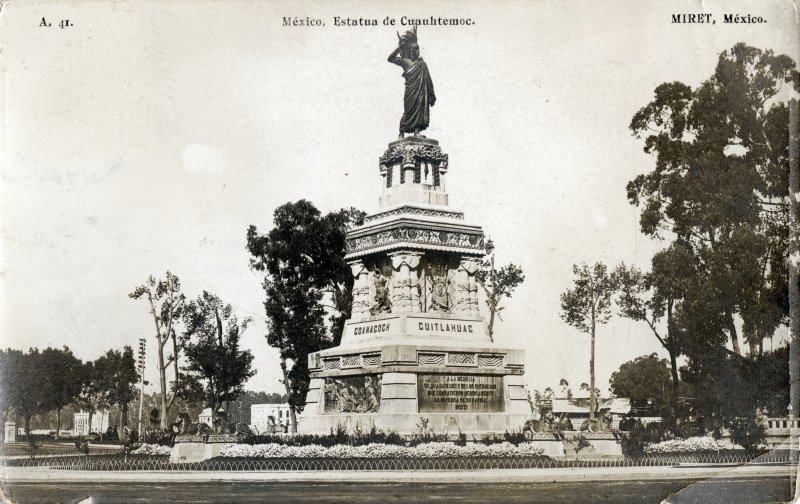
{"x":460,"y":393}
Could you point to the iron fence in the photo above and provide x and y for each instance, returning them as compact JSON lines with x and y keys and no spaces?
{"x":162,"y":463}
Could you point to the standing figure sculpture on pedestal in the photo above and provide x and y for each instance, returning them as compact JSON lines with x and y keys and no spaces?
{"x":419,"y":96}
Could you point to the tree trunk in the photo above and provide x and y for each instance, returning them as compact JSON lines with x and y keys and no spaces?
{"x":162,"y":374}
{"x":734,"y":334}
{"x":90,"y":421}
{"x":292,"y":413}
{"x":673,"y":400}
{"x":58,"y":424}
{"x":124,"y":416}
{"x":163,"y":383}
{"x":28,"y":424}
{"x":751,"y":339}
{"x":219,"y":327}
{"x":175,"y":367}
{"x":753,"y":347}
{"x":491,"y":324}
{"x":592,"y":398}
{"x":492,"y":300}
{"x":673,"y":362}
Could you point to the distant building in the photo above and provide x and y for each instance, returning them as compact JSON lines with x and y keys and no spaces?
{"x":577,"y":409}
{"x":80,"y":423}
{"x":206,"y":417}
{"x":269,"y":417}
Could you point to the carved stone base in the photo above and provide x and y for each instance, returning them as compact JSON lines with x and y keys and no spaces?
{"x":455,"y":389}
{"x":196,"y":451}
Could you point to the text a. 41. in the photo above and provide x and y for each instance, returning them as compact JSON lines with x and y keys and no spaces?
{"x":64,"y":23}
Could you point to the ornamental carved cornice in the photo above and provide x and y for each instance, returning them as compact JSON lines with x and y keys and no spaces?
{"x":428,"y":212}
{"x":411,"y":155}
{"x":407,"y":234}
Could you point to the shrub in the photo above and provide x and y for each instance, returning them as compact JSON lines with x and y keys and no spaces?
{"x":515,"y":437}
{"x":748,"y":433}
{"x":33,"y":447}
{"x":159,"y":437}
{"x":130,"y":443}
{"x":152,"y":449}
{"x":580,"y":442}
{"x":374,"y":435}
{"x":336,"y":437}
{"x":698,"y":444}
{"x":82,"y":445}
{"x":487,"y":439}
{"x":111,"y":434}
{"x":426,"y":434}
{"x":641,"y":436}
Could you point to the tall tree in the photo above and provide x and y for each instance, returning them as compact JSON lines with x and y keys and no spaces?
{"x":63,"y":380}
{"x":23,"y":375}
{"x":497,"y":283}
{"x":10,"y":368}
{"x":119,"y":379}
{"x":306,"y":278}
{"x":655,"y":296}
{"x":94,"y":389}
{"x":720,"y":183}
{"x":643,"y":380}
{"x":166,"y":306}
{"x":585,"y":306}
{"x":211,"y":346}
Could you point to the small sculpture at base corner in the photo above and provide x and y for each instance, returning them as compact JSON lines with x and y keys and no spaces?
{"x":185,"y":426}
{"x":223,"y":426}
{"x":419,"y":95}
{"x":548,"y":424}
{"x":601,"y":423}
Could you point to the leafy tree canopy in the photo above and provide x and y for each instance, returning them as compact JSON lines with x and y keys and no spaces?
{"x":211,"y":346}
{"x":645,"y":379}
{"x":720,"y":184}
{"x":306,"y":278}
{"x":497,"y":283}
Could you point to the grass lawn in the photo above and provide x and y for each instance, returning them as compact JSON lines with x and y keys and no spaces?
{"x":53,"y":448}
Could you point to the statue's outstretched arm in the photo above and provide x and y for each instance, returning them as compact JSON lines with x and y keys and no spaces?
{"x":394,"y":59}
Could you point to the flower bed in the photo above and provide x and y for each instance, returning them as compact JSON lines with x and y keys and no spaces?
{"x":698,"y":444}
{"x":381,"y":451}
{"x":152,"y":449}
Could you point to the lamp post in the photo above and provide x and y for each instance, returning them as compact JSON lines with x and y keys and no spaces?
{"x":142,"y":348}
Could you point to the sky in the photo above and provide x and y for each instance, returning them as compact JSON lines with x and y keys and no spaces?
{"x":147,"y":136}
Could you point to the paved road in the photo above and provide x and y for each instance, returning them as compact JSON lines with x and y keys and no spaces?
{"x":761,"y":489}
{"x":704,"y":484}
{"x":252,"y":492}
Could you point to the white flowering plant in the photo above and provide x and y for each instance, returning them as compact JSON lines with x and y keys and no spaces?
{"x":152,"y":449}
{"x":698,"y":444}
{"x":382,"y":451}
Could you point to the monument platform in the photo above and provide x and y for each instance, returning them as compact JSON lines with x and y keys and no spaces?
{"x":397,"y":370}
{"x":415,"y":352}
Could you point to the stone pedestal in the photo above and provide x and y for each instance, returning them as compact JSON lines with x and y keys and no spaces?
{"x":10,"y":432}
{"x":402,"y":385}
{"x":196,"y":448}
{"x":416,"y":352}
{"x":195,"y":452}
